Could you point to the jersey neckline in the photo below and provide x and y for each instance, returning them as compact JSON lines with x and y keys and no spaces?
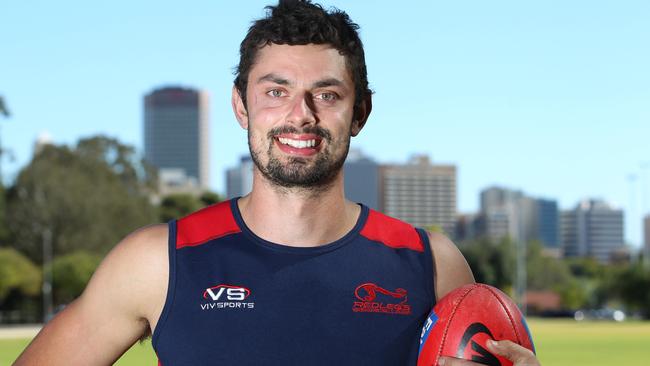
{"x":361,"y":220}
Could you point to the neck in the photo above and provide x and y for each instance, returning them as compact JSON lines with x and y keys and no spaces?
{"x":298,"y":217}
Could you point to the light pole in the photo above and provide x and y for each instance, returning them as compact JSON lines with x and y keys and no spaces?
{"x":645,"y":245}
{"x":48,"y":254}
{"x":521,"y":273}
{"x":47,"y":275}
{"x":631,"y":179}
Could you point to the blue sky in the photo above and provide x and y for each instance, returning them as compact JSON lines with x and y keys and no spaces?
{"x":550,"y":97}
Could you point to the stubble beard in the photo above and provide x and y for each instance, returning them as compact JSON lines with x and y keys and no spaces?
{"x":301,"y":174}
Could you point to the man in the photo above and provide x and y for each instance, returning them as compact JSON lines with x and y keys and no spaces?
{"x":292,"y":273}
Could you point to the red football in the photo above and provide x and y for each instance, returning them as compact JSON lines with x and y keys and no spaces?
{"x":465,"y":319}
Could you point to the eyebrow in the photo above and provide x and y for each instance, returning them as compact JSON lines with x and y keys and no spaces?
{"x":282,"y":81}
{"x":327,"y":82}
{"x":274,"y":79}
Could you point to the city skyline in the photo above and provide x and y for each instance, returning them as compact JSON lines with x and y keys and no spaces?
{"x":549,"y":98}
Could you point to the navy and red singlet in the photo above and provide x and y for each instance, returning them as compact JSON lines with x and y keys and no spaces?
{"x":237,"y":299}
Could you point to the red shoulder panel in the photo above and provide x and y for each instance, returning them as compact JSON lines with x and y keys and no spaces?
{"x":212,"y":222}
{"x":391,"y":232}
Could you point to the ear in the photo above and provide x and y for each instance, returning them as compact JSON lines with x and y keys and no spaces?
{"x":239,"y":108}
{"x":361,"y":114}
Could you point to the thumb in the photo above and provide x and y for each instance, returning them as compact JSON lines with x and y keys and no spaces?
{"x":514,"y":352}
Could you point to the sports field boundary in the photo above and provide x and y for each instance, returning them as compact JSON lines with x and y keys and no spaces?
{"x":19,"y":331}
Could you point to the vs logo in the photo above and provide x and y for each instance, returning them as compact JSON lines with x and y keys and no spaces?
{"x":227,"y":296}
{"x":232,"y":293}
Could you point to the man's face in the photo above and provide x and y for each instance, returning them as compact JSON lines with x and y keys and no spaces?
{"x":299,"y":115}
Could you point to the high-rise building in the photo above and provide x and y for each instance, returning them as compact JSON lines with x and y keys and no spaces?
{"x":510,"y":213}
{"x":176,"y":134}
{"x":239,"y":179}
{"x":502,"y":214}
{"x":548,"y":221}
{"x":420,"y":193}
{"x":592,"y":229}
{"x":361,"y":176}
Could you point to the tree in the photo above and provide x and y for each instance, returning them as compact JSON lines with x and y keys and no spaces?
{"x":17,"y":273}
{"x":548,"y":273}
{"x":71,"y":273}
{"x":492,"y":263}
{"x":175,"y":206}
{"x":4,"y":229}
{"x":88,"y":198}
{"x":3,"y":225}
{"x":633,"y":286}
{"x":3,"y":107}
{"x":210,"y":198}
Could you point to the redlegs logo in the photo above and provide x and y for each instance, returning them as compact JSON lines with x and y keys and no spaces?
{"x":368,"y":293}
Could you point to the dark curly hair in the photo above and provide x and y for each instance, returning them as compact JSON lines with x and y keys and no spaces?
{"x":299,"y":22}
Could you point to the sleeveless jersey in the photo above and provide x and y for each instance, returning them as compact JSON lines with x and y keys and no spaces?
{"x":236,"y":299}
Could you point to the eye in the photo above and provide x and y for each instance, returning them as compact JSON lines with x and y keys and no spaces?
{"x":275,"y":93}
{"x":327,"y":96}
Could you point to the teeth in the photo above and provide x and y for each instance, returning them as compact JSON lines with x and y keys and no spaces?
{"x":299,"y":144}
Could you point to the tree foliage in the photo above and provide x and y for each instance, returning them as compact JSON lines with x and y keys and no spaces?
{"x":17,"y":272}
{"x":175,"y":206}
{"x":88,"y":197}
{"x":4,"y":229}
{"x":633,"y":286}
{"x":549,"y":273}
{"x":210,"y":198}
{"x":71,"y":273}
{"x":495,"y":264}
{"x":178,"y":205}
{"x":3,"y":107}
{"x":492,"y":263}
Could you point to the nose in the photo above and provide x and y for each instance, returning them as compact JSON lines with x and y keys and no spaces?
{"x":302,"y":110}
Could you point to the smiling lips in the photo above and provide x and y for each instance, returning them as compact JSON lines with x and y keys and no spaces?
{"x":299,"y":144}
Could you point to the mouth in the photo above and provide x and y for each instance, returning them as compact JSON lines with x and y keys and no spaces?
{"x":298,"y":144}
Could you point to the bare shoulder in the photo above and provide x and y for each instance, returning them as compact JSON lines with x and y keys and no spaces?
{"x":142,"y":252}
{"x":123,"y":298}
{"x":452,"y":270}
{"x":137,"y":268}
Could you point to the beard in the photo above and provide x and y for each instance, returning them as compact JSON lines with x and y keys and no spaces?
{"x":306,"y":174}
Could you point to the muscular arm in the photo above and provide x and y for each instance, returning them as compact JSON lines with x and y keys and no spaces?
{"x":452,"y":270}
{"x":123,"y":297}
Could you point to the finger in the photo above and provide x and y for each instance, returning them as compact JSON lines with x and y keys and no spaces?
{"x":516,"y":353}
{"x":451,"y":361}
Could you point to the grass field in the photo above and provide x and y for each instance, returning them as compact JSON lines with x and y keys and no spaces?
{"x":558,"y":342}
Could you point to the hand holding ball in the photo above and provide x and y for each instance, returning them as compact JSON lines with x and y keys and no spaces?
{"x":464,"y":320}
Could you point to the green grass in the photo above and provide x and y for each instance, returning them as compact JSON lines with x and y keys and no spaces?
{"x":566,"y":342}
{"x":10,"y":349}
{"x":558,"y":342}
{"x":138,"y":355}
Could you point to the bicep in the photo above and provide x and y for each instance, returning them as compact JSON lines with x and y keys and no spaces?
{"x":107,"y":318}
{"x":452,"y":270}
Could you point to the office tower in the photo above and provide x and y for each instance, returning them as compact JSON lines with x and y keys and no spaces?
{"x":420,"y":193}
{"x":501,"y":214}
{"x":176,"y":135}
{"x":513,"y":214}
{"x":592,"y":229}
{"x":548,"y":223}
{"x":361,"y":176}
{"x":239,"y":179}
